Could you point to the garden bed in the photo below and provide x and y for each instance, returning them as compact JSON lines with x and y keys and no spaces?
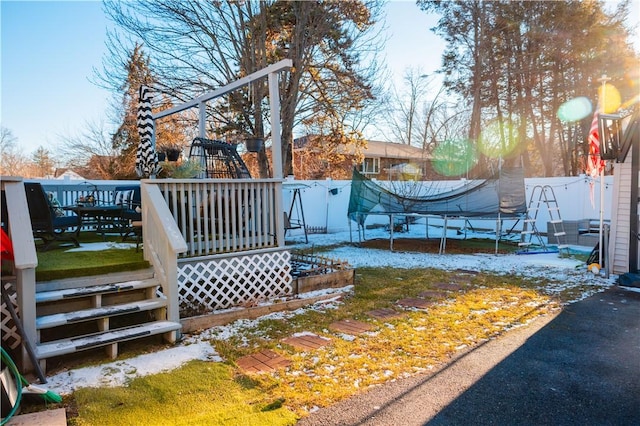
{"x":312,"y":273}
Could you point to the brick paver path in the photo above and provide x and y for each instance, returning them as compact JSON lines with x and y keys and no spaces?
{"x":307,"y":341}
{"x":433,"y":294}
{"x":413,"y":302}
{"x":263,"y":361}
{"x":448,"y":286}
{"x":350,"y":326}
{"x":385,"y":314}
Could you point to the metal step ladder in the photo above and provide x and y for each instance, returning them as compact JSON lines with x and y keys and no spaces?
{"x":543,"y":195}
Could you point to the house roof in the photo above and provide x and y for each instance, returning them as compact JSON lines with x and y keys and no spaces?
{"x":392,"y":150}
{"x":63,"y":173}
{"x":378,"y":149}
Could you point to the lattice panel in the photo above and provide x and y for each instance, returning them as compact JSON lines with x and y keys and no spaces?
{"x":235,"y":281}
{"x":10,"y":335}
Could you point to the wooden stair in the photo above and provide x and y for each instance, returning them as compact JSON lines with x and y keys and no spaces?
{"x":78,"y":314}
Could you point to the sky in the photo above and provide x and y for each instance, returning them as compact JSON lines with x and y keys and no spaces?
{"x":49,"y":50}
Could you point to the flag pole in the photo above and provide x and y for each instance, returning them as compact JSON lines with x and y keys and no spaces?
{"x":604,"y":80}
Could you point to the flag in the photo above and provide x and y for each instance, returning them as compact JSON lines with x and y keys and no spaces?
{"x":595,"y":165}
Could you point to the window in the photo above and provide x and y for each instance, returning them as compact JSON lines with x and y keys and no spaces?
{"x":370,"y":166}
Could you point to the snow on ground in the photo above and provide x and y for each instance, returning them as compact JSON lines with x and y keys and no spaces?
{"x":544,"y":265}
{"x":119,"y":373}
{"x":569,"y":272}
{"x":101,"y":246}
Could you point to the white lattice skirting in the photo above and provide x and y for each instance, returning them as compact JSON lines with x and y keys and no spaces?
{"x":243,"y":280}
{"x":10,"y":335}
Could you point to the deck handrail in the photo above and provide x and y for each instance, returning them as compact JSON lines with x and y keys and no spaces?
{"x":221,"y":216}
{"x":25,"y":257}
{"x":200,"y":218}
{"x":162,"y":243}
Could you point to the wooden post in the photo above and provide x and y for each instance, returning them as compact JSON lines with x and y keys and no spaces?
{"x":276,"y":154}
{"x":25,"y":259}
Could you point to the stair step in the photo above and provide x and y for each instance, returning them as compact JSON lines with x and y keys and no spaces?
{"x":559,"y":234}
{"x":527,"y":232}
{"x":104,"y":279}
{"x":524,"y":244}
{"x":556,"y":221}
{"x":55,"y":295}
{"x":90,"y":341}
{"x":563,"y":246}
{"x":55,"y":320}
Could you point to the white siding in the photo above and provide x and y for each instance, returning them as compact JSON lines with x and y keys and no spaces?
{"x":620,"y":224}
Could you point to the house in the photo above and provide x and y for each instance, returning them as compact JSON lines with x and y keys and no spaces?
{"x":315,"y":159}
{"x":622,"y":253}
{"x":64,"y":173}
{"x":388,"y":160}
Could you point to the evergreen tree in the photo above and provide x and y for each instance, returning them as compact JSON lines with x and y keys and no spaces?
{"x":43,"y":162}
{"x":126,"y":138}
{"x":169,"y":130}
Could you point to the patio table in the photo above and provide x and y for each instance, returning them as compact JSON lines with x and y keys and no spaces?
{"x":102,"y":216}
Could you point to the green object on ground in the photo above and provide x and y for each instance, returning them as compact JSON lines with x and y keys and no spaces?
{"x":63,"y":262}
{"x":45,"y":394}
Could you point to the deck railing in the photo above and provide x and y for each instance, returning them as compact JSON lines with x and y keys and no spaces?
{"x":217,"y":216}
{"x":162,"y":245}
{"x":69,"y":192}
{"x":18,"y":226}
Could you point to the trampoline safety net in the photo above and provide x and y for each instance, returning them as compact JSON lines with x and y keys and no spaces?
{"x":502,"y":195}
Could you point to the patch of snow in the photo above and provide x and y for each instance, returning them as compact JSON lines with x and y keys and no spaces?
{"x":119,"y":373}
{"x":106,"y":245}
{"x":347,"y":337}
{"x":564,"y":272}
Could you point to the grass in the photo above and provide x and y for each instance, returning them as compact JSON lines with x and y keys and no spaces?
{"x":58,"y":262}
{"x":417,"y":343}
{"x":219,"y":393}
{"x":199,"y":393}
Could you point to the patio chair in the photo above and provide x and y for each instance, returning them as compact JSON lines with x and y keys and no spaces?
{"x":130,"y":199}
{"x":46,"y":224}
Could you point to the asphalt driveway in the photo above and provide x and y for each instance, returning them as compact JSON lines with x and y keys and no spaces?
{"x":580,"y":367}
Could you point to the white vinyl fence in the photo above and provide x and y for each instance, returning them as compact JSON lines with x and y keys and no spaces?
{"x":325,"y":202}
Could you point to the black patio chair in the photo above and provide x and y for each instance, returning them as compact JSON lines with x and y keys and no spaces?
{"x":129,"y":198}
{"x":47,"y":225}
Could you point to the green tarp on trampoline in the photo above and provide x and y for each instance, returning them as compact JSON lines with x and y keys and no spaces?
{"x":500,"y":196}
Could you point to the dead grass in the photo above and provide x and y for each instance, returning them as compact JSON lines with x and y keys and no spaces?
{"x":485,"y":306}
{"x":198,"y":393}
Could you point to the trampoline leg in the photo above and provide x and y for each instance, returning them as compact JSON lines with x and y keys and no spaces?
{"x":443,"y":239}
{"x":498,"y":229}
{"x":391,"y":232}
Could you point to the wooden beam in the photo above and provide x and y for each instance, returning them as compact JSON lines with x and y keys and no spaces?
{"x":278,"y":66}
